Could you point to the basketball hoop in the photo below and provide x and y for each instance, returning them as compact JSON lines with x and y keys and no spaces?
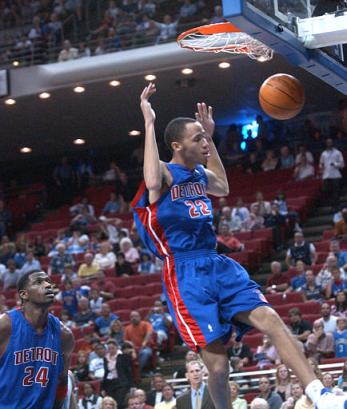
{"x":224,"y":38}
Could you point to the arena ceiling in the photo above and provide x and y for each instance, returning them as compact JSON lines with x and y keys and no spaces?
{"x":104,"y":115}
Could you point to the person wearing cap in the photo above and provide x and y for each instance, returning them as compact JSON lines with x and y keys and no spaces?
{"x":340,"y":336}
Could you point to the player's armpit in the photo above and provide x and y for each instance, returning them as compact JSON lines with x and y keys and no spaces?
{"x":154,"y":194}
{"x":5,"y":332}
{"x":216,"y":186}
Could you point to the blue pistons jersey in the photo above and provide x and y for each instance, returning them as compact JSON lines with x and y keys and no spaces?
{"x":181,"y":220}
{"x":31,"y":365}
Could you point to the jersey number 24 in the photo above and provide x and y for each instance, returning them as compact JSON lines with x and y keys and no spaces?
{"x":41,"y":376}
{"x":197,"y":208}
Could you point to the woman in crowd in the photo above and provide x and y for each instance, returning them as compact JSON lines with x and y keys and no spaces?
{"x":342,"y":380}
{"x":81,"y":371}
{"x":340,"y":307}
{"x":266,"y":354}
{"x":328,"y":381}
{"x":131,"y":254}
{"x":117,"y":332}
{"x":283,"y":382}
{"x":237,"y":403}
{"x":108,"y":403}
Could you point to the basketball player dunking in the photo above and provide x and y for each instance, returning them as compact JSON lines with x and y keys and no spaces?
{"x":35,"y":349}
{"x":207,"y":294}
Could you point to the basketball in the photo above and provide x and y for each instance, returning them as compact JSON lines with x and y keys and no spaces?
{"x":282,"y":96}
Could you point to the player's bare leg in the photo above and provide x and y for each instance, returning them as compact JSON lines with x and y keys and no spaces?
{"x":217,"y":363}
{"x":266,"y":320}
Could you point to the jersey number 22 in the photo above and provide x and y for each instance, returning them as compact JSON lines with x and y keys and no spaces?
{"x":197,"y":208}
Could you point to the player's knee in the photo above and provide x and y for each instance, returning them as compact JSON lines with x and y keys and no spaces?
{"x":219,"y":369}
{"x":270,"y":321}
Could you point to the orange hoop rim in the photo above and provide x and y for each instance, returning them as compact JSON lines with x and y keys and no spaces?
{"x":209,"y":29}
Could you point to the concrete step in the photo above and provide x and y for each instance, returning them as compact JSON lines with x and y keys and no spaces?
{"x":324,"y":211}
{"x":318,"y":220}
{"x":316,"y":230}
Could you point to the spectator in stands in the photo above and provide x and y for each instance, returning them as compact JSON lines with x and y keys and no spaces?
{"x":123,"y":267}
{"x":272,"y":398}
{"x":89,"y":268}
{"x":90,"y":399}
{"x":217,"y":211}
{"x":240,"y":350}
{"x":83,"y":177}
{"x":276,"y":221}
{"x":142,"y":397}
{"x":78,"y":242}
{"x":336,"y":284}
{"x":266,"y":354}
{"x":139,"y":332}
{"x":299,"y":279}
{"x":118,"y":373}
{"x":96,"y":366}
{"x":146,"y":265}
{"x":131,"y":254}
{"x":11,"y":275}
{"x":7,"y":251}
{"x":331,"y":163}
{"x":218,"y":16}
{"x":234,"y":223}
{"x":117,"y":332}
{"x":103,"y":322}
{"x":340,"y":255}
{"x":79,"y":207}
{"x":133,"y":402}
{"x":252,"y":163}
{"x":169,"y":400}
{"x":329,"y":321}
{"x":106,"y":287}
{"x":83,"y":220}
{"x":328,"y":381}
{"x":155,"y":396}
{"x":325,"y":275}
{"x":197,"y":392}
{"x":58,"y":261}
{"x":255,"y":221}
{"x":278,"y":282}
{"x":300,"y":328}
{"x":340,"y":307}
{"x":342,"y":379}
{"x":301,"y":250}
{"x":31,"y":263}
{"x":112,"y":173}
{"x":302,"y":151}
{"x":95,"y":301}
{"x":264,"y":206}
{"x":111,"y":229}
{"x":286,"y":158}
{"x":341,"y":226}
{"x":68,"y":52}
{"x":160,"y":320}
{"x":303,"y":169}
{"x":319,"y":344}
{"x":310,"y":290}
{"x":5,"y":219}
{"x":297,"y":399}
{"x":105,"y":258}
{"x":69,"y":273}
{"x":259,"y":403}
{"x":226,"y":237}
{"x":340,"y":338}
{"x":85,"y":316}
{"x":68,"y":296}
{"x":236,"y":401}
{"x":20,"y":256}
{"x":270,"y":162}
{"x":240,"y":210}
{"x":283,"y":382}
{"x":65,"y":319}
{"x":81,"y":370}
{"x":39,"y":247}
{"x":114,"y":205}
{"x":168,"y":29}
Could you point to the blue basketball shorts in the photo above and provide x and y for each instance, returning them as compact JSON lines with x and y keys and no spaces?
{"x":204,"y":292}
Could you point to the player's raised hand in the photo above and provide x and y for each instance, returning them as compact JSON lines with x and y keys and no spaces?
{"x":205,"y":117}
{"x":146,"y":107}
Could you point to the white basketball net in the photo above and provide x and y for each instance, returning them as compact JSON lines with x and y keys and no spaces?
{"x":232,"y":43}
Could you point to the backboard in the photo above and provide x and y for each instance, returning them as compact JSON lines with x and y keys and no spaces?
{"x":277,"y":23}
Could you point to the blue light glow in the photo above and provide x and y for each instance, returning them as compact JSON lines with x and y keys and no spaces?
{"x":243,"y":145}
{"x":252,"y":127}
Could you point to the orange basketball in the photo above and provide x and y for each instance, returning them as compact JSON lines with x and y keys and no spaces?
{"x":282,"y":96}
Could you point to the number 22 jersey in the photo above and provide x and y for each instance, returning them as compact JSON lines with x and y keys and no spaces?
{"x":30,"y":365}
{"x":181,"y":219}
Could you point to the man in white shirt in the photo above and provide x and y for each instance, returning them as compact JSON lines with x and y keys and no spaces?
{"x":331,"y":162}
{"x":328,"y":320}
{"x":90,"y":399}
{"x":169,"y":401}
{"x":67,"y":53}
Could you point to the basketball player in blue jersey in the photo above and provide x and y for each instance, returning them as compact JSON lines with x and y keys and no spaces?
{"x":208,"y":295}
{"x":35,"y":349}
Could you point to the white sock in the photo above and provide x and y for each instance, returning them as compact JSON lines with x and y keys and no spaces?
{"x":313,"y":390}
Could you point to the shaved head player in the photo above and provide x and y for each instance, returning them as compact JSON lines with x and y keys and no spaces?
{"x":207,"y":294}
{"x":35,"y":349}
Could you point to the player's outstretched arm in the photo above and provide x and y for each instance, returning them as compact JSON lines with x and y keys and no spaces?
{"x":217,"y":179}
{"x":67,"y":346}
{"x":154,"y":170}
